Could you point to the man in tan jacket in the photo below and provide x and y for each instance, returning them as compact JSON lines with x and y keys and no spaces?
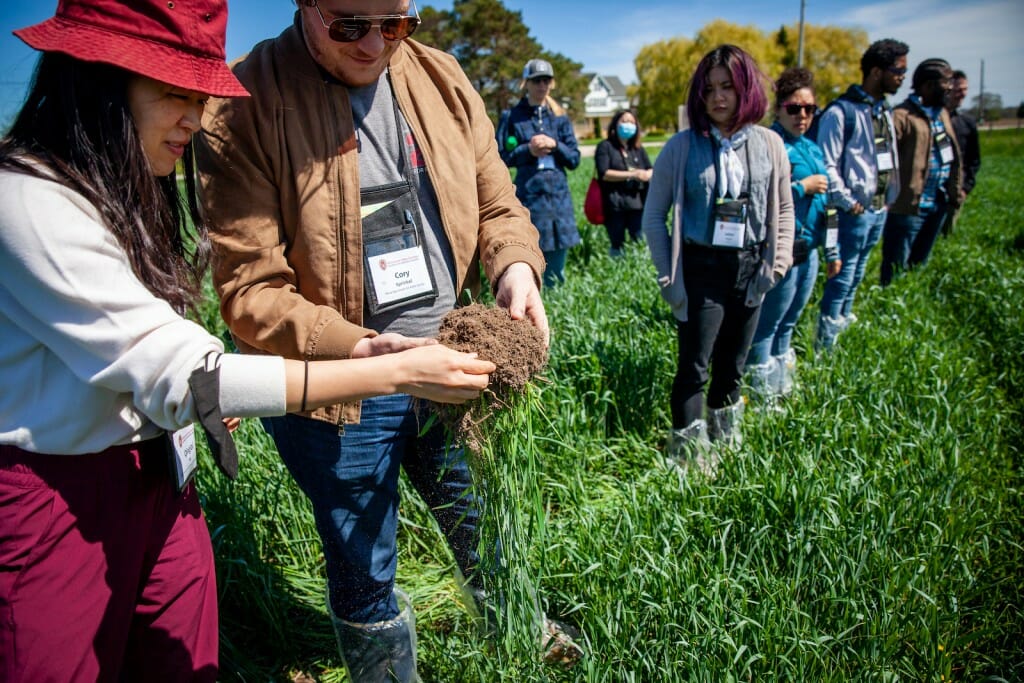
{"x":929,"y":170}
{"x":352,"y":200}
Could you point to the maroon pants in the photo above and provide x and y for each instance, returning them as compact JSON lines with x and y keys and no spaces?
{"x":106,"y":573}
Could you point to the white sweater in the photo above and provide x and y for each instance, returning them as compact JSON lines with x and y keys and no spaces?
{"x":89,"y":358}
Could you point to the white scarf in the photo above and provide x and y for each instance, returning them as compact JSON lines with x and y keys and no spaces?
{"x":730,"y":168}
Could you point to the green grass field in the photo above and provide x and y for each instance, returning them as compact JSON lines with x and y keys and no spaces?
{"x":871,"y":531}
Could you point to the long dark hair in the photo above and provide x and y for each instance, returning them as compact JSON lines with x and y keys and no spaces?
{"x":76,"y":122}
{"x":613,"y":133}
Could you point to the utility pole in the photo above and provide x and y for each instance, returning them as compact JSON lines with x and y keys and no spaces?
{"x":981,"y":95}
{"x":800,"y":40}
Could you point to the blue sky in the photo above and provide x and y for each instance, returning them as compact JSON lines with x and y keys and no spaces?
{"x":605,"y":36}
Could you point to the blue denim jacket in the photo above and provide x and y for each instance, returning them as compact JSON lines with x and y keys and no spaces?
{"x":545,"y":192}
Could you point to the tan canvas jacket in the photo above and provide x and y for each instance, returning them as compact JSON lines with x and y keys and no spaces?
{"x":914,"y":144}
{"x":279,"y":178}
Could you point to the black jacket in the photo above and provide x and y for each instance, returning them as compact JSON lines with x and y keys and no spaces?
{"x":967,"y":135}
{"x":621,"y":196}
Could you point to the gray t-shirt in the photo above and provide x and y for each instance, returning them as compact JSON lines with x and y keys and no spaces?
{"x":381,"y":162}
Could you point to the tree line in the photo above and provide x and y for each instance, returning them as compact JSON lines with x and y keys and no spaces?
{"x":492,"y":44}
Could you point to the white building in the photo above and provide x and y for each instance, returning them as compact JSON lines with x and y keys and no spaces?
{"x":607,"y":95}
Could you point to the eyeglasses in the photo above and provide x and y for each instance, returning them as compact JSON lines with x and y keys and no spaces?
{"x":351,"y":29}
{"x":897,"y":70}
{"x":543,"y":80}
{"x":793,"y":108}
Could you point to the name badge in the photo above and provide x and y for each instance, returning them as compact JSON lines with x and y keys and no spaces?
{"x":730,"y":224}
{"x":831,"y":227}
{"x":945,"y":146}
{"x":396,"y":266}
{"x":884,"y":161}
{"x":883,"y":155}
{"x":183,"y":456}
{"x":399,"y":275}
{"x":546,"y":161}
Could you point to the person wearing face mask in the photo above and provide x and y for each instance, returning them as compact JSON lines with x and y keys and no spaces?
{"x":623,"y":169}
{"x":725,"y":186}
{"x":771,"y":363}
{"x":929,"y":170}
{"x":536,"y":138}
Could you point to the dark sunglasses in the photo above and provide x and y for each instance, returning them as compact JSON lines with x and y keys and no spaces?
{"x":543,"y":80}
{"x":793,"y":109}
{"x":897,"y":70}
{"x":351,"y":29}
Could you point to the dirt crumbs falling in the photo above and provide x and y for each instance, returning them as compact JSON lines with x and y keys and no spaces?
{"x":516,"y":347}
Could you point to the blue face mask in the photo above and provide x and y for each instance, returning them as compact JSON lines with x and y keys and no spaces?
{"x":625,"y":131}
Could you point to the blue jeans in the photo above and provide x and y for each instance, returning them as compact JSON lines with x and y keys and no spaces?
{"x":858,"y":235}
{"x":781,"y":310}
{"x":908,"y":240}
{"x":351,"y":478}
{"x":554,"y":267}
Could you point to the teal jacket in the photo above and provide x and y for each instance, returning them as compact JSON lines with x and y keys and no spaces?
{"x":806,"y":158}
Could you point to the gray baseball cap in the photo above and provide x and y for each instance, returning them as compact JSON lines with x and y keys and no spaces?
{"x":537,"y":68}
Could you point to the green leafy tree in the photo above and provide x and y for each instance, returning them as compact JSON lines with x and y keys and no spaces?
{"x":832,"y":54}
{"x":491,"y":44}
{"x":664,"y":68}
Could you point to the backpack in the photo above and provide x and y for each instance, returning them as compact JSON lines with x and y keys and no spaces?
{"x":848,"y":119}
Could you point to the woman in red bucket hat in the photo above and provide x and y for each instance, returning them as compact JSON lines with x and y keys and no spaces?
{"x":106,"y":566}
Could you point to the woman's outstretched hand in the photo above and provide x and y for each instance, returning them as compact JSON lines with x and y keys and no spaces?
{"x":438,"y":373}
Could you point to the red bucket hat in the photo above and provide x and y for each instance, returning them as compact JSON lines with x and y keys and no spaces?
{"x":180,"y":42}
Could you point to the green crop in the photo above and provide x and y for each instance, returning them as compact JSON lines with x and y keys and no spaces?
{"x":869,"y":531}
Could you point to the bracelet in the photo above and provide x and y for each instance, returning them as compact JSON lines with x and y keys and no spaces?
{"x":305,"y":384}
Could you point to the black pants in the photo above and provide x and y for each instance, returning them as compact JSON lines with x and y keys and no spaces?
{"x":719,"y":329}
{"x":618,"y":223}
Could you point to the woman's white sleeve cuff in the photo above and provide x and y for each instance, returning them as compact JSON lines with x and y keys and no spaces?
{"x":252,"y":386}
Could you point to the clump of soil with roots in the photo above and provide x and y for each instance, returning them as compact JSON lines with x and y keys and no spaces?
{"x":516,"y":347}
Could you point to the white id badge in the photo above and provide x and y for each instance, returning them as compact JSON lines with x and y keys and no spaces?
{"x":729,"y":233}
{"x":884,"y":160}
{"x":831,"y":227}
{"x":184,"y":465}
{"x":546,"y":162}
{"x":831,"y":237}
{"x":730,"y":228}
{"x":399,"y":275}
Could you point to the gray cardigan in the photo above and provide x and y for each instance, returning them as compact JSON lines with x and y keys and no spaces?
{"x":687,"y":161}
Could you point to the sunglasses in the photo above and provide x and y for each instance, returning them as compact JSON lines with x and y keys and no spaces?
{"x":793,"y":109}
{"x":351,"y":29}
{"x":543,"y":80}
{"x":897,"y":70}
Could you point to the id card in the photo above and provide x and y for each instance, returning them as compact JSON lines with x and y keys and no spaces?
{"x":546,"y":162}
{"x":831,"y":228}
{"x":884,"y":161}
{"x":942,"y":141}
{"x":183,"y":456}
{"x":730,"y":224}
{"x":883,"y":155}
{"x":400,"y":275}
